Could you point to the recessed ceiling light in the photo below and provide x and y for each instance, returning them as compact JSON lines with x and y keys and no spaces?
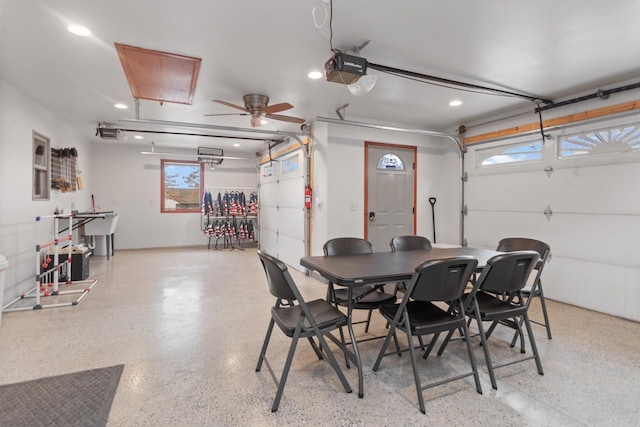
{"x":139,"y":137}
{"x":79,"y":30}
{"x":315,"y":75}
{"x":236,"y":145}
{"x":121,"y":106}
{"x":455,"y":103}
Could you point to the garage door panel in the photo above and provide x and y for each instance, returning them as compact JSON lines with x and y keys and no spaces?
{"x":487,"y":228}
{"x":268,"y":218}
{"x":291,"y":221}
{"x":289,"y":251}
{"x":269,"y":242}
{"x":611,"y":240}
{"x":269,"y":194}
{"x":513,"y":192}
{"x":590,"y":189}
{"x":572,"y":236}
{"x":291,"y":194}
{"x":590,"y":285}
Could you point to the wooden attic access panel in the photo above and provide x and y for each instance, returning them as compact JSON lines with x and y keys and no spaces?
{"x":159,"y":76}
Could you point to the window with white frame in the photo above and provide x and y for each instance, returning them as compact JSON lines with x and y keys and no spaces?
{"x":182,"y":183}
{"x":619,"y":139}
{"x":528,"y":151}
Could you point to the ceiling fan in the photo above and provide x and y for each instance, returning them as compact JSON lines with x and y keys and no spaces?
{"x":258,"y":106}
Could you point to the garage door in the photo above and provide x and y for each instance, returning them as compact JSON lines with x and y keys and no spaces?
{"x":577,"y":192}
{"x":282,"y":221}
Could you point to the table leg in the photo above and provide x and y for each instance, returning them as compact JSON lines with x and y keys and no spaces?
{"x":107,"y":239}
{"x":113,"y":245}
{"x":354,"y":342}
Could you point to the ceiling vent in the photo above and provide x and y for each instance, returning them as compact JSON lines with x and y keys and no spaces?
{"x":210,"y":155}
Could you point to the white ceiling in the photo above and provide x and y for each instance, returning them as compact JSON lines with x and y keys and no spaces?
{"x":548,"y":48}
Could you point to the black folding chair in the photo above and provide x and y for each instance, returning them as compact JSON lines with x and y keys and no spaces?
{"x":529,"y":292}
{"x":298,"y":319}
{"x":439,"y":281}
{"x":367,"y":297}
{"x":408,"y":243}
{"x":496,"y":297}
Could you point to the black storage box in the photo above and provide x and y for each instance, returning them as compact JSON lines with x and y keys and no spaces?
{"x":79,"y":264}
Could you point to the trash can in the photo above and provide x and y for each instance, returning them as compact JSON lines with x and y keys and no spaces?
{"x":3,"y":268}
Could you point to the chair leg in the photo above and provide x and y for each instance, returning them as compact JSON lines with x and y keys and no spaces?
{"x":416,"y":375}
{"x":472,"y":359}
{"x":534,"y":348}
{"x":366,"y":328}
{"x":385,"y":344}
{"x":485,"y":348}
{"x":448,"y":338}
{"x":422,"y":346}
{"x":515,"y":336}
{"x":431,"y":345}
{"x":491,"y":329}
{"x":263,"y":351}
{"x":544,"y":311}
{"x":285,"y":371}
{"x":334,"y":363}
{"x":518,"y":323}
{"x":395,"y":341}
{"x":315,"y":348}
{"x":343,"y":341}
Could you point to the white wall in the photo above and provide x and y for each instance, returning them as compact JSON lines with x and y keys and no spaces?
{"x":128,"y":183}
{"x":338,"y":178}
{"x":19,"y":117}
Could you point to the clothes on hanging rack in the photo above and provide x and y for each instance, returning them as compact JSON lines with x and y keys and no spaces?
{"x":207,"y":204}
{"x":253,"y":203}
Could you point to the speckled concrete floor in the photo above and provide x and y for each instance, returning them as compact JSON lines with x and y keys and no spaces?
{"x":188,"y":325}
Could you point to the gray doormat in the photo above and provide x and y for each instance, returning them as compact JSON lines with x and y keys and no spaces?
{"x":77,"y":399}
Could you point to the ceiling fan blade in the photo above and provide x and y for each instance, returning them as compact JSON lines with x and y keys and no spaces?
{"x":227,"y":114}
{"x":228,"y":104}
{"x":285,"y":118}
{"x":276,"y":108}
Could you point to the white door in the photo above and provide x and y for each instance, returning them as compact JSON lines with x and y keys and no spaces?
{"x":390,"y":198}
{"x":282,"y":213}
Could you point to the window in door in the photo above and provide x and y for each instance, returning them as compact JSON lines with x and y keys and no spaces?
{"x":514,"y":153}
{"x":390,"y":161}
{"x":612,"y":140}
{"x":182,"y":183}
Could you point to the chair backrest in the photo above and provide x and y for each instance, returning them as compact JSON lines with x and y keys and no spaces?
{"x":347,"y":246}
{"x":510,"y":244}
{"x":281,"y":284}
{"x":507,"y":272}
{"x":442,"y":279}
{"x":409,"y":243}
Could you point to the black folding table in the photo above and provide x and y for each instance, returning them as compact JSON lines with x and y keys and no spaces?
{"x":352,"y":271}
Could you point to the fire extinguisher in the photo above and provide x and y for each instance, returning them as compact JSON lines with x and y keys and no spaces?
{"x":307,"y":197}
